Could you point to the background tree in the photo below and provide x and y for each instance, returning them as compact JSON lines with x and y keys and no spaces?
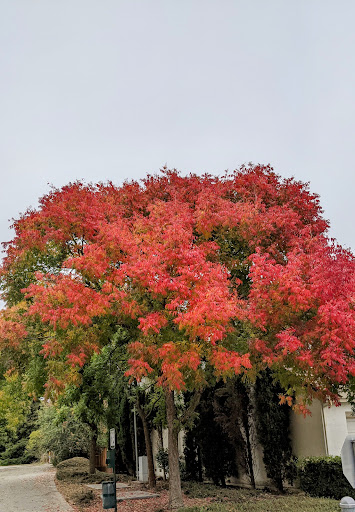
{"x":59,"y":432}
{"x":89,"y":402}
{"x":18,"y":418}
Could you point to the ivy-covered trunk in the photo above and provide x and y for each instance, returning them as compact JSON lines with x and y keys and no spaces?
{"x":246,"y":402}
{"x":249,"y":451}
{"x":175,"y":492}
{"x":273,"y":421}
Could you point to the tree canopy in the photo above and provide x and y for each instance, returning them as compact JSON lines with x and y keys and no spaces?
{"x":226,"y":272}
{"x":211,"y":276}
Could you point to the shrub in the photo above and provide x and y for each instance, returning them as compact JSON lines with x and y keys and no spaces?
{"x":162,"y":458}
{"x":77,"y":470}
{"x":73,"y":469}
{"x":82,"y":496}
{"x":323,"y":477}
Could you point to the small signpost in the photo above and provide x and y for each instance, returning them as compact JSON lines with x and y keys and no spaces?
{"x":109,"y":488}
{"x":112,"y":439}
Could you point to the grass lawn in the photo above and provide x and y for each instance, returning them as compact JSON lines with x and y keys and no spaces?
{"x":271,"y":504}
{"x":245,"y":500}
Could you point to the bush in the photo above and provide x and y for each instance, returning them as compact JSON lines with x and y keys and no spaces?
{"x":162,"y":458}
{"x":82,"y":496}
{"x":73,"y":469}
{"x":77,"y":470}
{"x":323,"y":477}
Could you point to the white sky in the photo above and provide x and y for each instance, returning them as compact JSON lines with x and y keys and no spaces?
{"x":113,"y":89}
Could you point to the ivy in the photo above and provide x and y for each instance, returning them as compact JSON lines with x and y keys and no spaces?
{"x":273,"y":428}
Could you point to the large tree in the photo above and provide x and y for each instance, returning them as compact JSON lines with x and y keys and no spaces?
{"x":222,"y":275}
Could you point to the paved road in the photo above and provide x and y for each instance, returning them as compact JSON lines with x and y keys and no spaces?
{"x":30,"y":488}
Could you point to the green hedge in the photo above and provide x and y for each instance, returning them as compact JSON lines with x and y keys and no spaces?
{"x":323,"y":477}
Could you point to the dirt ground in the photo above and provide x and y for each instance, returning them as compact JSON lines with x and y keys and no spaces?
{"x":159,"y":503}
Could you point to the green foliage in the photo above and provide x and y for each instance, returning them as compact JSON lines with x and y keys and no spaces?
{"x":124,"y":430}
{"x":34,"y":444}
{"x":5,"y":435}
{"x":88,"y":400}
{"x":212,"y":446}
{"x":59,"y":432}
{"x":35,"y":376}
{"x":15,"y":404}
{"x":193,"y":465}
{"x":162,"y":458}
{"x":19,"y":276}
{"x":16,"y":454}
{"x":15,"y":440}
{"x":233,"y":408}
{"x":323,"y":477}
{"x":100,"y":399}
{"x":273,"y":428}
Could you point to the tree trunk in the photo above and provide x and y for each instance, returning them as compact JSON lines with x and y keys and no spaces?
{"x":249,"y":434}
{"x":161,"y":446}
{"x":93,"y":452}
{"x":175,"y":492}
{"x":249,"y":455}
{"x":148,"y":446}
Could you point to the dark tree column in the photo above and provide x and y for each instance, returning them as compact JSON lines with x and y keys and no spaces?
{"x":175,"y":492}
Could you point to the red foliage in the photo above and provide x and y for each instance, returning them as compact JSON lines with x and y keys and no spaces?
{"x":12,"y":329}
{"x":164,"y":254}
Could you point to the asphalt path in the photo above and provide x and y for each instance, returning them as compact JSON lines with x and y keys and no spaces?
{"x":30,"y":488}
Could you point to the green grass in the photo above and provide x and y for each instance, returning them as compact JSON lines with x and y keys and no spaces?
{"x":271,"y":504}
{"x":249,"y":500}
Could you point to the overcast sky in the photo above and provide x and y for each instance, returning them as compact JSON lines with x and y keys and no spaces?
{"x":115,"y":89}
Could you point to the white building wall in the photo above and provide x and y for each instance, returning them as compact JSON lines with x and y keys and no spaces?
{"x":338,"y":424}
{"x":324,"y":432}
{"x":307,"y":433}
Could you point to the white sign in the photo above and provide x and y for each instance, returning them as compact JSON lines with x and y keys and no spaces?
{"x":348,"y":459}
{"x":112,"y":438}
